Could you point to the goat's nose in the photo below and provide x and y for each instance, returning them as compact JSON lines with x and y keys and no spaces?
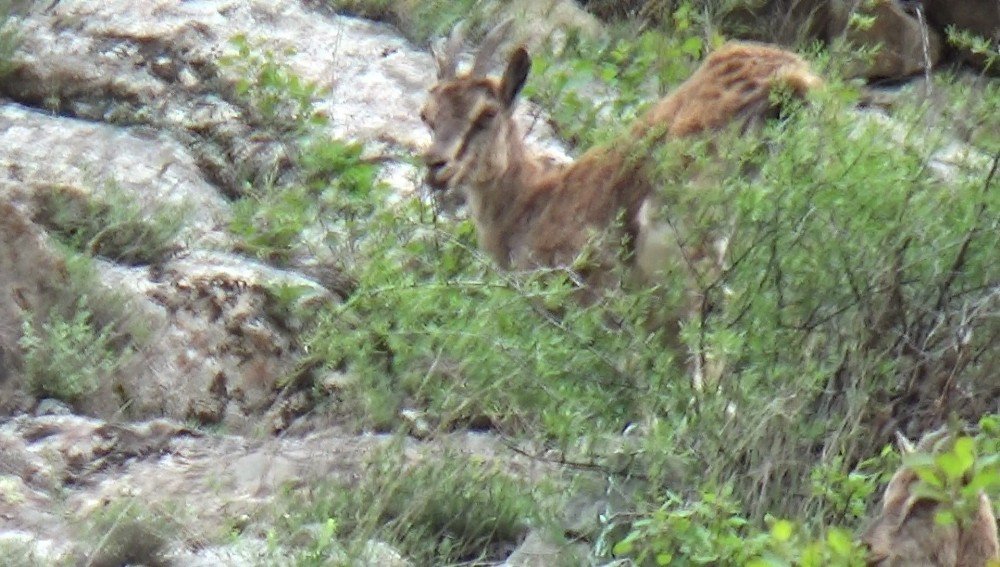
{"x":434,"y":163}
{"x":435,"y":168}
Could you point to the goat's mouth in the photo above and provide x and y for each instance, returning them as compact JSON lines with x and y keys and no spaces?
{"x":438,"y":177}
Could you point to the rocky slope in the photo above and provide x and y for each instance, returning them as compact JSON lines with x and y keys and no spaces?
{"x":117,"y":101}
{"x":132,"y":101}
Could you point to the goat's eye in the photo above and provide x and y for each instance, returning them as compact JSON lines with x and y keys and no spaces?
{"x":484,"y":118}
{"x":423,"y":117}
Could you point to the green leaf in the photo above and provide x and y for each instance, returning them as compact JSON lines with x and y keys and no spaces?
{"x":944,"y":518}
{"x":924,"y":490}
{"x":692,"y":46}
{"x":930,"y":477}
{"x":782,"y":530}
{"x":623,"y":547}
{"x":840,"y":542}
{"x":961,"y":458}
{"x":984,"y":480}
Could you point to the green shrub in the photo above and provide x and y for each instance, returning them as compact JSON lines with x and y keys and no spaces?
{"x":275,"y":97}
{"x":128,"y":532}
{"x":709,"y":530}
{"x":331,"y":191}
{"x":10,"y":38}
{"x":843,"y":273}
{"x":418,"y":20}
{"x":957,"y":470}
{"x":111,"y":225}
{"x":856,"y":300}
{"x":986,"y":51}
{"x":67,"y":358}
{"x":444,"y":509}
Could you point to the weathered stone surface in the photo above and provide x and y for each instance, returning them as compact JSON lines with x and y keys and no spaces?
{"x":213,"y":481}
{"x":133,"y":97}
{"x":538,"y":550}
{"x":42,"y":155}
{"x":980,"y":17}
{"x":147,"y":113}
{"x":905,"y":46}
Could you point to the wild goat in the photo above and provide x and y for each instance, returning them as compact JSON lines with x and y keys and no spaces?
{"x":529,"y":213}
{"x":907,"y":534}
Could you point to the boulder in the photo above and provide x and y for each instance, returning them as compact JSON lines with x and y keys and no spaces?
{"x":904,"y":45}
{"x":980,"y":17}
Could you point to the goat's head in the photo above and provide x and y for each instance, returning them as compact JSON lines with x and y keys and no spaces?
{"x":907,"y":533}
{"x":470,"y":114}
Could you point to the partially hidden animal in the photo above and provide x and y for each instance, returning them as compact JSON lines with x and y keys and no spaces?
{"x":529,"y":213}
{"x":905,"y":533}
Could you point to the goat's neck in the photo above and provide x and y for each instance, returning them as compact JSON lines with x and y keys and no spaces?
{"x":499,"y":201}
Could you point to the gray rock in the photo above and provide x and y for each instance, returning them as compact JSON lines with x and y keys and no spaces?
{"x":539,"y":550}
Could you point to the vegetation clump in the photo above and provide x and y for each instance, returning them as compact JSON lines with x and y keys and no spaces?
{"x":10,"y":38}
{"x":855,"y":301}
{"x":448,"y":508}
{"x":67,"y":359}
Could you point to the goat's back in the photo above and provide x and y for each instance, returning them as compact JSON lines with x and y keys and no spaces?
{"x":735,"y":82}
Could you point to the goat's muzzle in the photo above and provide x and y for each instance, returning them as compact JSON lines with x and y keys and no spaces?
{"x":437,"y":173}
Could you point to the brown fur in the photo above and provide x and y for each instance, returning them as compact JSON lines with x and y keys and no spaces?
{"x":529,"y":214}
{"x":906,"y":534}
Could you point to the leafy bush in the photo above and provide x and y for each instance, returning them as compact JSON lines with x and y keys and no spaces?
{"x":857,"y":300}
{"x":418,"y":20}
{"x":959,"y":469}
{"x":984,"y":50}
{"x":842,"y":274}
{"x":128,"y":532}
{"x":333,"y":188}
{"x":112,"y":225}
{"x":67,"y":358}
{"x":710,"y":531}
{"x":10,"y":38}
{"x":278,"y":98}
{"x":445,"y":509}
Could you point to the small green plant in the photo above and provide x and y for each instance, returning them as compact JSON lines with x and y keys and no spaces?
{"x":845,"y":495}
{"x":787,"y":546}
{"x":128,"y":532}
{"x":336,"y":193}
{"x":67,"y":358}
{"x":986,"y":50}
{"x":111,"y":225}
{"x":279,"y":98}
{"x":332,"y":188}
{"x":10,"y":38}
{"x":704,"y":531}
{"x":955,"y":476}
{"x":710,"y":531}
{"x":445,"y":509}
{"x":418,"y":20}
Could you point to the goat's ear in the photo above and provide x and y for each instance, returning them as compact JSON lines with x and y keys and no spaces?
{"x":514,"y":76}
{"x":905,"y":445}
